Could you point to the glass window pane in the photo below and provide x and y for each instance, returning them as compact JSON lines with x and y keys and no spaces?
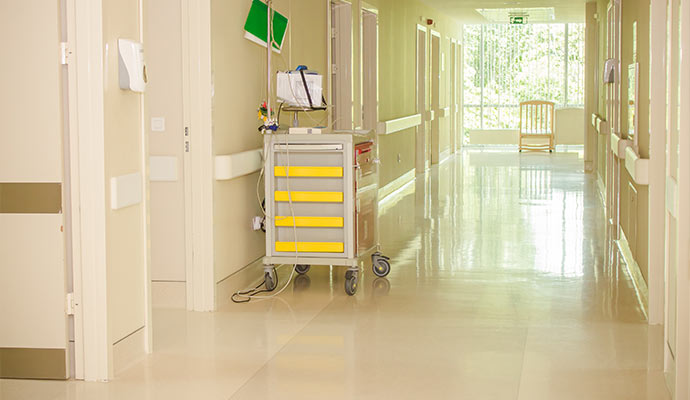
{"x":508,"y":64}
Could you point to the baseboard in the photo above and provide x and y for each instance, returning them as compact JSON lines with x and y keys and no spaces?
{"x":641,"y":289}
{"x":396,"y":184}
{"x":246,"y":277}
{"x":166,"y":294}
{"x":129,"y":350}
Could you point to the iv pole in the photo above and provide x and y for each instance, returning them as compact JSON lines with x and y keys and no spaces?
{"x":269,"y":45}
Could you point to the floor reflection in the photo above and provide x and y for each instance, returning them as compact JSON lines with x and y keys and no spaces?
{"x":498,"y":290}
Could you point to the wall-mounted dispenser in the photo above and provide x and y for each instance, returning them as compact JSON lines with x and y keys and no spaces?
{"x":610,"y":68}
{"x":132,"y":66}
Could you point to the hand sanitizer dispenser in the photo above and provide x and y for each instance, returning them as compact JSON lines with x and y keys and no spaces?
{"x":610,"y":68}
{"x":132,"y":67}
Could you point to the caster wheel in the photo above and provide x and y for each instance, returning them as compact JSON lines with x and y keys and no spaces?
{"x":302,"y":268}
{"x":381,"y":267}
{"x":271,"y":278}
{"x":351,"y":283}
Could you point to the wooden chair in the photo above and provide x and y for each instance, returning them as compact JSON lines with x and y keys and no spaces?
{"x":537,"y":122}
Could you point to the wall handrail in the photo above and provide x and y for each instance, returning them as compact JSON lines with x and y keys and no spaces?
{"x":398,"y":124}
{"x":233,"y":166}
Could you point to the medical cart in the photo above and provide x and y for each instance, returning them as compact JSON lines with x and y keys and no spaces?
{"x":322,"y":204}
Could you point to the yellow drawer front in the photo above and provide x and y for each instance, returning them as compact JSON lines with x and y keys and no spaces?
{"x":311,"y":222}
{"x":310,"y":197}
{"x":310,"y":247}
{"x":310,"y":172}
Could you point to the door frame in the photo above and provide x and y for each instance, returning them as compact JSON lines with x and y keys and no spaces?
{"x":341,"y":82}
{"x":370,"y":106}
{"x":657,"y":162}
{"x":435,"y":150}
{"x":87,"y":188}
{"x":421,"y":162}
{"x":453,"y":104}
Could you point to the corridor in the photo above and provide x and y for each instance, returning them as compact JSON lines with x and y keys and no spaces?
{"x":498,"y":291}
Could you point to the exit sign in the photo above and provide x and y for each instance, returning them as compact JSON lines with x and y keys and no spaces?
{"x":518,"y":20}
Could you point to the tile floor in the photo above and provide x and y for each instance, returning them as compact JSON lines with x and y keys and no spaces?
{"x":498,"y":291}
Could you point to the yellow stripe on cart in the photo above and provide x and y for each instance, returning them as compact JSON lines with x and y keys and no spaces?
{"x":309,"y":172}
{"x":310,"y":247}
{"x":310,"y":197}
{"x":310,"y":222}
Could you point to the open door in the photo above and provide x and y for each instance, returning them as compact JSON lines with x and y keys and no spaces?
{"x":33,"y":274}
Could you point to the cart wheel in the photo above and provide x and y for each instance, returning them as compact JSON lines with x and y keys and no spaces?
{"x":271,"y":278}
{"x":302,"y":268}
{"x":351,"y":283}
{"x":381,"y":267}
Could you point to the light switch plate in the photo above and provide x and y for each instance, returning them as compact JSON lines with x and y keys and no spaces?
{"x":158,"y":124}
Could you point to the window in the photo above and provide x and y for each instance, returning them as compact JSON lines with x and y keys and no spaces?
{"x":508,"y":64}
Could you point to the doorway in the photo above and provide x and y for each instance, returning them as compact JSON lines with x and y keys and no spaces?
{"x":167,"y":128}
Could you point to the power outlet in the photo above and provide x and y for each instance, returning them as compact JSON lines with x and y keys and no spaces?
{"x":257,"y":223}
{"x":399,"y":158}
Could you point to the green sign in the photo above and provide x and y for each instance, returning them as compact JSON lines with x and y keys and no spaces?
{"x":256,"y":27}
{"x":518,"y":20}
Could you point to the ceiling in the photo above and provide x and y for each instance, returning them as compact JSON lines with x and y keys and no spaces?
{"x":465,"y":10}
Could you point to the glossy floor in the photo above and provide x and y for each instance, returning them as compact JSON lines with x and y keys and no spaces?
{"x":498,"y":291}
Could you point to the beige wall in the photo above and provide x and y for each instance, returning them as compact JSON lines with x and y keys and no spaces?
{"x":123,"y":155}
{"x":634,"y":217}
{"x":397,"y":78}
{"x":570,"y":126}
{"x":634,"y":212}
{"x":239,"y":79}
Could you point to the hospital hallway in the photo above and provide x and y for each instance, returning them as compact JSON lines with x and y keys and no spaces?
{"x":498,"y":290}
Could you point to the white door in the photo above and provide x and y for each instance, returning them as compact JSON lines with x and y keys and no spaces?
{"x":168,"y":148}
{"x":33,"y":281}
